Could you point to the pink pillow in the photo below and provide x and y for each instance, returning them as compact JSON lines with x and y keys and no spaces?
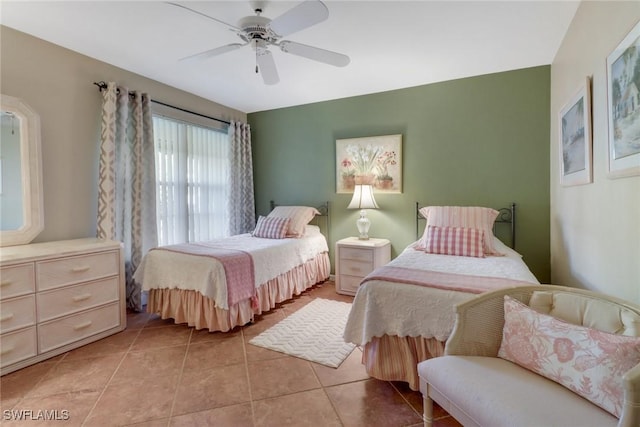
{"x":587,"y":361}
{"x":271,"y":228}
{"x":455,"y":241}
{"x":300,"y":216}
{"x":463,"y":216}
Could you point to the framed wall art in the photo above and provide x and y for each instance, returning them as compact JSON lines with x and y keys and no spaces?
{"x":576,"y":159}
{"x":375,"y":160}
{"x":623,"y":98}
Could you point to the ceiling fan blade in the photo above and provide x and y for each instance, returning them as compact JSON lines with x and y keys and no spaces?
{"x":306,"y":14}
{"x":267,"y":67}
{"x":315,"y":53}
{"x":213,"y":52}
{"x":231,"y":27}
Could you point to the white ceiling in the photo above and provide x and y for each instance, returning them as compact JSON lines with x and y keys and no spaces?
{"x":392,"y":44}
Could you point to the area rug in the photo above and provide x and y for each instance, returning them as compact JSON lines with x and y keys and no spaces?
{"x":312,"y":333}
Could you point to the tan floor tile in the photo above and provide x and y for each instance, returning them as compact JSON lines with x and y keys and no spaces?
{"x":263,"y":322}
{"x":211,"y":388}
{"x":68,"y":409}
{"x":215,"y":353}
{"x":17,"y":384}
{"x":310,"y":408}
{"x":413,"y":397}
{"x":77,"y":375}
{"x":296,"y":304}
{"x":164,"y":422}
{"x":232,"y":416}
{"x":138,"y":365}
{"x":277,"y":377}
{"x":371,"y":403}
{"x":203,"y":335}
{"x":135,"y":401}
{"x":155,"y":321}
{"x":136,"y":320}
{"x":168,"y":336}
{"x":118,"y":343}
{"x":350,"y":370}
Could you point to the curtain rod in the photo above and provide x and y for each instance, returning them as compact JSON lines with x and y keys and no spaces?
{"x":103,"y":85}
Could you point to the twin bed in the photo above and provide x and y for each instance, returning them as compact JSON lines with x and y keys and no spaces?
{"x":403,"y":312}
{"x":220,"y":284}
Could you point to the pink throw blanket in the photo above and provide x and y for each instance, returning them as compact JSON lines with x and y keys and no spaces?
{"x":238,"y":268}
{"x":440,"y":280}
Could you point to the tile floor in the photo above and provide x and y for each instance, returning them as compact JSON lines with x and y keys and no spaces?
{"x":156,"y":373}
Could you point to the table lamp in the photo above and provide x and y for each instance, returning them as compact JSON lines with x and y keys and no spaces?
{"x":363,"y":199}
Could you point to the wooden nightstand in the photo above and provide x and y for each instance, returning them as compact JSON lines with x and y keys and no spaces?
{"x":356,"y":258}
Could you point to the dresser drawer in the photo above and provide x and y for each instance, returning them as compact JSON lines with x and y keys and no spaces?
{"x":17,"y":280}
{"x":72,"y":328}
{"x":17,"y":346}
{"x":356,"y":254}
{"x":66,"y":271}
{"x":71,"y":299}
{"x":349,"y":284}
{"x":355,"y":268}
{"x":17,"y":313}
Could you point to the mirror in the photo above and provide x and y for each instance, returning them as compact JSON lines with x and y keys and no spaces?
{"x":21,"y":204}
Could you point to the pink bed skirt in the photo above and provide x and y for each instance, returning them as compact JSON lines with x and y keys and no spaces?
{"x":196,"y":310}
{"x":393,"y":358}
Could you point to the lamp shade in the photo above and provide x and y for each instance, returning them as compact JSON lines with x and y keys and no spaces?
{"x":363,"y":198}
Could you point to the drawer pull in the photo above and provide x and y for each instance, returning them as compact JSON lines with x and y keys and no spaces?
{"x":6,"y":350}
{"x":82,"y":297}
{"x":82,"y":325}
{"x":80,"y":269}
{"x":6,"y":317}
{"x":6,"y":283}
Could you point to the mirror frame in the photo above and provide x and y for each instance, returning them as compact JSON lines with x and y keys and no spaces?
{"x":31,"y":169}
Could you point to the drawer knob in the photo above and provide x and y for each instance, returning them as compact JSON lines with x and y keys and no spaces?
{"x":80,"y":269}
{"x":82,"y":325}
{"x":6,"y":317}
{"x":6,"y":283}
{"x":82,"y":297}
{"x":6,"y":350}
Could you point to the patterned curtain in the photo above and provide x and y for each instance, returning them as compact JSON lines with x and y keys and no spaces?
{"x":126,"y":182}
{"x":242,"y":212}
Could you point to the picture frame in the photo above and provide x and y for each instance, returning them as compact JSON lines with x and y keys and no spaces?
{"x":375,"y":160}
{"x":576,"y":142}
{"x":623,"y":102}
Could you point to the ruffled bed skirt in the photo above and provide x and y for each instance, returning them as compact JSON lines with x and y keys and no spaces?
{"x":393,"y":358}
{"x":196,"y":310}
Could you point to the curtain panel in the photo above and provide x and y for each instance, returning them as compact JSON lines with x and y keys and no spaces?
{"x":126,"y":181}
{"x":242,"y":212}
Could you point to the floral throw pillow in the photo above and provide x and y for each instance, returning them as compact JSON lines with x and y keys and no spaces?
{"x":589,"y":362}
{"x":455,"y":241}
{"x":271,"y":227}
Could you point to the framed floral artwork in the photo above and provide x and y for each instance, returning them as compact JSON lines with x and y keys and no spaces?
{"x":575,"y":138}
{"x":623,"y":98}
{"x":375,"y":160}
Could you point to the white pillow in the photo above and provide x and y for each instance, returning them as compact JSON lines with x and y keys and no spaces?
{"x":299,"y":216}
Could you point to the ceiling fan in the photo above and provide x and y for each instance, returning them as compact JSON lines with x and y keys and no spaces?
{"x":261,"y":32}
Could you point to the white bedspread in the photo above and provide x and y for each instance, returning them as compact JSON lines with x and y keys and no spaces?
{"x":271,"y":257}
{"x":382,"y":307}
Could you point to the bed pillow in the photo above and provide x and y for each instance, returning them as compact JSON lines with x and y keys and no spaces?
{"x":299,"y":216}
{"x":271,"y":228}
{"x":463,"y":216}
{"x":587,"y":361}
{"x":455,"y":241}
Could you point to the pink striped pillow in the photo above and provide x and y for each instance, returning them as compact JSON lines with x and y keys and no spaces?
{"x":464,"y":216}
{"x":455,"y":241}
{"x":271,"y":227}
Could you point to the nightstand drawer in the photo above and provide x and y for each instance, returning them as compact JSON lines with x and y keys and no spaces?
{"x":67,"y":271}
{"x":71,"y":299}
{"x":17,"y":280}
{"x":17,"y":313}
{"x":17,"y":346}
{"x":355,"y":268}
{"x":349,"y":284}
{"x":356,"y":254}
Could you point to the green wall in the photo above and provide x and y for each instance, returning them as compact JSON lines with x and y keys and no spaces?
{"x":478,"y":141}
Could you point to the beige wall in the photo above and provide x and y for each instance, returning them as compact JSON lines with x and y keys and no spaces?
{"x":58,"y":84}
{"x":595,"y":228}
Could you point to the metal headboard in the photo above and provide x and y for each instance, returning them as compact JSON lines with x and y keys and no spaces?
{"x":324,"y":212}
{"x":505,"y":216}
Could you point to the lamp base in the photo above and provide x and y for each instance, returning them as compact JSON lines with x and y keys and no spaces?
{"x":363,"y":225}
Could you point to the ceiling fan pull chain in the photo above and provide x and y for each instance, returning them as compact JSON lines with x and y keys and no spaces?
{"x":256,"y":56}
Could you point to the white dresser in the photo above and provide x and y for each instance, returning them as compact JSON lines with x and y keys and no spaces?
{"x":356,"y":258}
{"x":57,"y":296}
